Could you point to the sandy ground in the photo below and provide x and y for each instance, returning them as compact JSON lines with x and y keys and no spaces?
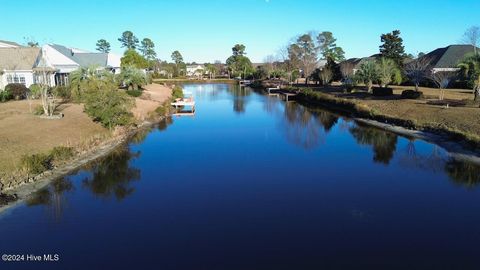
{"x":153,"y":96}
{"x":22,"y":133}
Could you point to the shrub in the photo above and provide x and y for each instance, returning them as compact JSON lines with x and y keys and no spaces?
{"x":134,"y":93}
{"x":38,"y":110}
{"x":382,"y":91}
{"x":162,"y":110}
{"x":35,"y":90}
{"x":110,"y":107}
{"x":412,"y":94}
{"x":177,"y":92}
{"x":132,"y":77}
{"x":36,"y":163}
{"x":5,"y":96}
{"x":62,"y":91}
{"x":61,"y":153}
{"x":17,"y":90}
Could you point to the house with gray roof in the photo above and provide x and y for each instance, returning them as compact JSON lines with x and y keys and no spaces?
{"x":17,"y":65}
{"x":63,"y":60}
{"x":446,"y":59}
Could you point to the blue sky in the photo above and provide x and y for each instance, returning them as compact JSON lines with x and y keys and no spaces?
{"x":205,"y":31}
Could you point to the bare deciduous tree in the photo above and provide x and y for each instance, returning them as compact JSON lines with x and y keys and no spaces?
{"x":417,"y":70}
{"x":472,"y":37}
{"x":442,"y":79}
{"x":326,"y":76}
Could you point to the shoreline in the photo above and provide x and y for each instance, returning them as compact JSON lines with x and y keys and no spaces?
{"x":444,"y":138}
{"x":23,"y":191}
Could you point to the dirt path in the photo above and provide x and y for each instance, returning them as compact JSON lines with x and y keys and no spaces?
{"x":153,"y":96}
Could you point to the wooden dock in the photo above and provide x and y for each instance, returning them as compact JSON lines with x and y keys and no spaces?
{"x":278,"y":92}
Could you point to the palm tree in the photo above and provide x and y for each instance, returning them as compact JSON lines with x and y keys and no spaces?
{"x":85,"y":78}
{"x":470,"y":67}
{"x":368,"y":73}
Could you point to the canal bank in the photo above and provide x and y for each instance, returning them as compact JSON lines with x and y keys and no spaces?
{"x":257,"y":180}
{"x":465,"y":144}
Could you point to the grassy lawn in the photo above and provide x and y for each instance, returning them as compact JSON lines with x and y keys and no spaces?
{"x":22,"y":133}
{"x":465,"y":119}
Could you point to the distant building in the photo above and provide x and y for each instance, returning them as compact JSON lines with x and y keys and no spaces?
{"x":195,"y":70}
{"x":352,"y":65}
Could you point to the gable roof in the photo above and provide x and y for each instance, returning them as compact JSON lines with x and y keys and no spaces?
{"x":87,"y":59}
{"x":21,"y":58}
{"x":8,"y":44}
{"x":447,"y":57}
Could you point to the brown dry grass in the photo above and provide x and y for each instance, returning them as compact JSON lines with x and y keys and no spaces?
{"x":465,"y":119}
{"x":23,"y":133}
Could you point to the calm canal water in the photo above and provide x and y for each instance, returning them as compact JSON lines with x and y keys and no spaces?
{"x":251,"y":182}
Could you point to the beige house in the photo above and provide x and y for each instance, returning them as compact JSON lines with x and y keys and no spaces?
{"x":17,"y":65}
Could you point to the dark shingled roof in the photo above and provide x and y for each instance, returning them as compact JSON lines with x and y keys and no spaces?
{"x":448,"y":57}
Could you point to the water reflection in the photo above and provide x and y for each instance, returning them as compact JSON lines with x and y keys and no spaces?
{"x":163,"y":125}
{"x":326,"y":119}
{"x":301,"y":126}
{"x":240,"y":99}
{"x":112,"y":176}
{"x":464,"y":173}
{"x":383,"y":143}
{"x":53,"y":196}
{"x":432,"y":161}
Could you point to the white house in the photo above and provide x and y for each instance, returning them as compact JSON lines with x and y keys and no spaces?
{"x":195,"y":70}
{"x":63,"y":60}
{"x":17,"y":65}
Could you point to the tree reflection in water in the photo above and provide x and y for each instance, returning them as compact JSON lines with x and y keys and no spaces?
{"x":328,"y":120}
{"x":240,"y":95}
{"x":112,"y":176}
{"x":301,"y":126}
{"x":463,"y":172}
{"x":432,"y":162}
{"x":53,"y":197}
{"x":163,"y":125}
{"x":383,"y":143}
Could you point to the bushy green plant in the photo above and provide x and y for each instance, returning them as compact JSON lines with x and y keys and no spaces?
{"x":5,"y":96}
{"x":17,"y":90}
{"x":388,"y":72}
{"x":367,"y":74}
{"x":38,"y":110}
{"x":88,"y":79}
{"x":62,"y":92}
{"x":134,"y":93}
{"x":132,"y":77}
{"x":110,"y":107}
{"x":36,"y":163}
{"x":177,"y":92}
{"x":35,"y":90}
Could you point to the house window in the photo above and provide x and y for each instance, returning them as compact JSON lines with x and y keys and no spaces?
{"x":16,"y":79}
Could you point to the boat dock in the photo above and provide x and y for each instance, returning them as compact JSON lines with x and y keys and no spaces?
{"x":180,"y":103}
{"x":277,"y":91}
